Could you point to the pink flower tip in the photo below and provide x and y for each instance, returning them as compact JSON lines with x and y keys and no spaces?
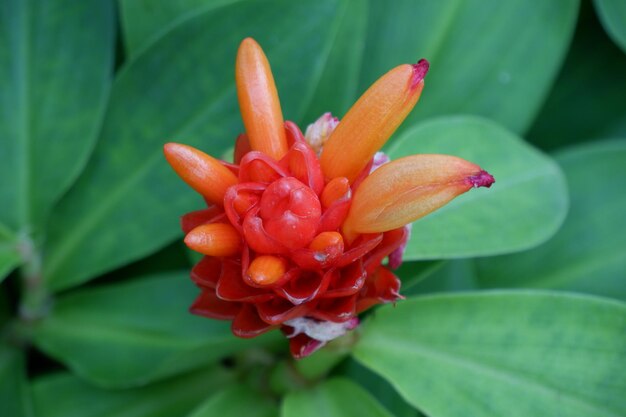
{"x":482,"y":179}
{"x":419,"y":71}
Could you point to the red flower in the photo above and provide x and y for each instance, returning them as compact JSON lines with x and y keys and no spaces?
{"x":296,"y":241}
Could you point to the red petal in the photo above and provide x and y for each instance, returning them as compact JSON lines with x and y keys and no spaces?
{"x":348,"y":281}
{"x":294,"y":134}
{"x":208,"y":305}
{"x":336,"y":309}
{"x":334,"y":215}
{"x":302,"y":346}
{"x":279,"y":310}
{"x":380,"y":287}
{"x":248,"y":324}
{"x":258,"y":167}
{"x":212,"y":214}
{"x":362,"y":245}
{"x":305,"y":166}
{"x":231,"y":286}
{"x":207,"y":272}
{"x":242,"y":147}
{"x":240,"y":199}
{"x":392,"y":240}
{"x":258,"y":239}
{"x":305,"y":287}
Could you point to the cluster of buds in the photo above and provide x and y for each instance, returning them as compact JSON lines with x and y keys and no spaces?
{"x":297,"y":229}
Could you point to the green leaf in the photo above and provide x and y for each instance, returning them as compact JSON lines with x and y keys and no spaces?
{"x":613,"y":16}
{"x":15,"y":399}
{"x":412,"y":273}
{"x":523,"y":208}
{"x":567,"y":116}
{"x":133,"y":333}
{"x":337,"y":397}
{"x":10,"y":257}
{"x":128,"y":201}
{"x":55,"y":68}
{"x":489,"y":57}
{"x":587,"y":254}
{"x":502,"y":354}
{"x":455,"y":275}
{"x":143,"y":21}
{"x":64,"y":395}
{"x":235,"y":402}
{"x":379,"y":388}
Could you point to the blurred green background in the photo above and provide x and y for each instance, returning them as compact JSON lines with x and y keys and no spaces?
{"x":94,"y":278}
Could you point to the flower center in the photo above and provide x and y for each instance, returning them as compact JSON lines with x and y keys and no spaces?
{"x":291,"y":212}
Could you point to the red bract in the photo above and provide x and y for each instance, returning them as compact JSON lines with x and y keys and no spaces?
{"x":297,"y":241}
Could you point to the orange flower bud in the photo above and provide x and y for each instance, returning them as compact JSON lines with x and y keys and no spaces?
{"x":334,"y":190}
{"x":409,"y":188}
{"x":372,"y":120}
{"x":202,"y":172}
{"x":266,"y":270}
{"x":258,"y":101}
{"x":214,"y":239}
{"x":325,"y":240}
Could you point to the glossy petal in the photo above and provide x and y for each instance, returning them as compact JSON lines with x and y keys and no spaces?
{"x":258,"y":101}
{"x":372,"y":120}
{"x":202,"y":172}
{"x":409,"y":188}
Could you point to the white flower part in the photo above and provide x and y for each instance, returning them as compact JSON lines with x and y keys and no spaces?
{"x":380,"y":159}
{"x":324,"y":331}
{"x":318,"y":132}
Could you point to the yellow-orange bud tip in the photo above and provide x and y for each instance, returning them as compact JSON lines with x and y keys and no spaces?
{"x":214,"y":239}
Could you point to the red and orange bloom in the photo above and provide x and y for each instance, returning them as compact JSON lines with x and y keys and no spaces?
{"x":297,"y":229}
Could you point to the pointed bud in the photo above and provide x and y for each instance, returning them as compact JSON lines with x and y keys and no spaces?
{"x":266,"y":270}
{"x":325,"y":240}
{"x":214,"y":239}
{"x":409,"y":188}
{"x":202,"y":172}
{"x":372,"y":120}
{"x":258,"y":101}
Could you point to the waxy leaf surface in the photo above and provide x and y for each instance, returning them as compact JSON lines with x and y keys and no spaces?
{"x":488,"y":57}
{"x":65,"y":395}
{"x":494,"y":354}
{"x":133,"y":333}
{"x":56,"y":61}
{"x":613,"y":16}
{"x":236,"y":401}
{"x":334,"y":398}
{"x":588,"y":254}
{"x":15,"y":397}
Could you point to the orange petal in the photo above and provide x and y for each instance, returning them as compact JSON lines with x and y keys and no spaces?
{"x":214,"y":239}
{"x":258,"y":101}
{"x":372,"y":120}
{"x":202,"y":172}
{"x":266,"y":270}
{"x":409,"y":188}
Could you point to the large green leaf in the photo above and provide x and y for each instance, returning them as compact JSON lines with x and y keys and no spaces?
{"x":523,"y":208}
{"x":132,"y":333}
{"x":502,"y":354}
{"x":236,"y":401}
{"x":55,"y":69}
{"x":15,"y":399}
{"x":489,"y":57}
{"x":588,"y":252}
{"x":613,"y":16}
{"x":9,"y":254}
{"x":337,"y":397}
{"x":585,"y":103}
{"x":143,"y":21}
{"x":65,"y":395}
{"x":181,"y":88}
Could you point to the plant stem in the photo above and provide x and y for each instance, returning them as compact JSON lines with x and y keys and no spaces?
{"x":35,"y":302}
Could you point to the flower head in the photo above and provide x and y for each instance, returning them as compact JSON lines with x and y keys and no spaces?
{"x":297,"y":229}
